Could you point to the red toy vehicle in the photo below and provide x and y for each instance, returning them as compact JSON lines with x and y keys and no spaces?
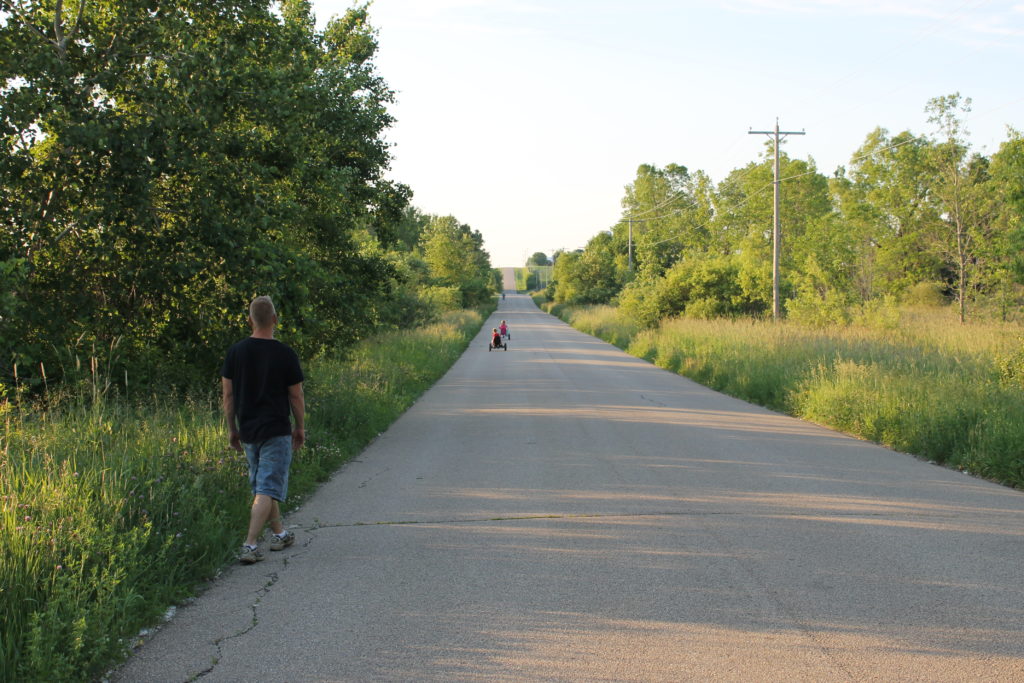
{"x":497,"y":342}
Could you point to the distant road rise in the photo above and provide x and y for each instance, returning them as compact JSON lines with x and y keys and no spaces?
{"x":508,"y":275}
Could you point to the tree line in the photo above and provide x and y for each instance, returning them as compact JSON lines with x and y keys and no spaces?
{"x":912,"y":219}
{"x":162,"y":163}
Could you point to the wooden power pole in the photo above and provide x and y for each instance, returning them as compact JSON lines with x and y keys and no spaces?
{"x":777,"y":229}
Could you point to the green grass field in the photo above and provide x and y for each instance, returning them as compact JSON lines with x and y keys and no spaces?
{"x":112,"y":509}
{"x":951,"y":393}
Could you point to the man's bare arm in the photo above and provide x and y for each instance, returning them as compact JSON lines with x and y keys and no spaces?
{"x":228,"y":399}
{"x":297,"y":400}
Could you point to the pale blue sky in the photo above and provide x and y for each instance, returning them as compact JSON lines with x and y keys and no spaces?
{"x":525,"y":119}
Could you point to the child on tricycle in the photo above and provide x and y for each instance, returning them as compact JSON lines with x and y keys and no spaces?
{"x":496,"y":342}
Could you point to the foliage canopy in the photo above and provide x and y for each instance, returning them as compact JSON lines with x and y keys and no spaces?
{"x":161,"y":164}
{"x":912,"y":214}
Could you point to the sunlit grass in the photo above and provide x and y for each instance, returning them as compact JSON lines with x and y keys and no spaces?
{"x":113,"y":509}
{"x":602,"y":321}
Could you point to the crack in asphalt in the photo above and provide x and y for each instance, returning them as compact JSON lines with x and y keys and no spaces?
{"x":374,"y":476}
{"x":272,"y":579}
{"x":253,"y":623}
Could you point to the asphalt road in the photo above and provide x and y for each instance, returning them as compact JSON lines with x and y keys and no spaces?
{"x":564,"y":512}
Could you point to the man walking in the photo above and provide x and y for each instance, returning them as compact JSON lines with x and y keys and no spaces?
{"x":262,"y":384}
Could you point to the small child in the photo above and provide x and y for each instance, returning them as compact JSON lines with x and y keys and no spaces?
{"x":495,"y":338}
{"x":504,"y":329}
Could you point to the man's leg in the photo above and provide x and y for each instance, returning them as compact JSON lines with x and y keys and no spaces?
{"x":275,"y":518}
{"x":263,"y":507}
{"x":268,"y":467}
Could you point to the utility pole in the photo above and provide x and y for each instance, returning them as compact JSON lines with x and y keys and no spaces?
{"x":631,"y":244}
{"x":777,"y":229}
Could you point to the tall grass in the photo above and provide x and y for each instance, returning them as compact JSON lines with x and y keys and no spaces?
{"x":605,"y":322}
{"x":111,"y":510}
{"x":929,"y":386}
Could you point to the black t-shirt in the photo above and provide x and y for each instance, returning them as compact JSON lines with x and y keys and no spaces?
{"x":261,"y":370}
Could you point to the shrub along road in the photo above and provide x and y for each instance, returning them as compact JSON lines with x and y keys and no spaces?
{"x":564,"y":511}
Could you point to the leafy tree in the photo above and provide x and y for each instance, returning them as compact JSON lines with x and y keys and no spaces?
{"x":456,"y":258}
{"x":539,"y":258}
{"x":888,"y":204}
{"x":669,"y":210}
{"x":818,"y":300}
{"x":160,"y":166}
{"x":743,"y":221}
{"x":587,"y":276}
{"x":1002,"y":255}
{"x":563,"y":276}
{"x":827,"y":264}
{"x":702,"y":287}
{"x":409,"y":229}
{"x":959,"y":188}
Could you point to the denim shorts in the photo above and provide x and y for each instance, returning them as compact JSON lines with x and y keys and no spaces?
{"x":268,"y":466}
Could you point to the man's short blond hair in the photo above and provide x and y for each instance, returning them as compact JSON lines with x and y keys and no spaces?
{"x":262,"y":312}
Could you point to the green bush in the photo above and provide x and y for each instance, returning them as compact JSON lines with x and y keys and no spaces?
{"x":815,"y":309}
{"x":1011,"y":367}
{"x":639,"y":301}
{"x":928,"y":294}
{"x":701,"y":288}
{"x":881,"y":313}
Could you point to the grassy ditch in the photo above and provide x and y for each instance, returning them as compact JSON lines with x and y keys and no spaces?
{"x":952,"y":394}
{"x":112,"y":509}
